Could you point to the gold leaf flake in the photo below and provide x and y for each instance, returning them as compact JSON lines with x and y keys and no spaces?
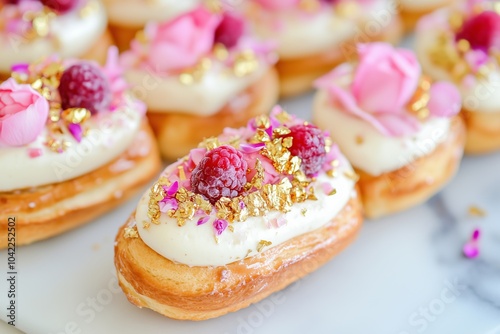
{"x":245,"y":63}
{"x":303,"y":212}
{"x":220,"y":51}
{"x":130,"y":233}
{"x":182,"y":173}
{"x":351,"y":175}
{"x":476,"y":211}
{"x":75,"y":115}
{"x":262,"y":244}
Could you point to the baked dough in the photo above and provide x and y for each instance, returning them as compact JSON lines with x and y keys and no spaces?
{"x":178,"y":133}
{"x":410,"y":17}
{"x":483,"y":131}
{"x":46,"y":211}
{"x":415,"y":183}
{"x":197,"y":293}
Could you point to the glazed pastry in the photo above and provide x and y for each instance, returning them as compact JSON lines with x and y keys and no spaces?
{"x":398,"y":128}
{"x":462,"y":45}
{"x":127,"y":17}
{"x":73,"y":145}
{"x":411,"y":11}
{"x":240,"y":217}
{"x":314,"y":36}
{"x":199,"y":73}
{"x":33,"y":29}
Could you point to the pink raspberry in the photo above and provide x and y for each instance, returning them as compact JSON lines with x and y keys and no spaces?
{"x":309,"y":145}
{"x":84,"y":86}
{"x":60,"y":6}
{"x":482,"y":31}
{"x":220,"y":173}
{"x":229,"y":31}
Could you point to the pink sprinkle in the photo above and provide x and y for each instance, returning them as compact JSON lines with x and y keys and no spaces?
{"x":34,"y":152}
{"x":471,"y":248}
{"x":76,"y":131}
{"x":219,"y":226}
{"x":172,"y":189}
{"x":203,"y":220}
{"x":277,"y":222}
{"x":252,"y":148}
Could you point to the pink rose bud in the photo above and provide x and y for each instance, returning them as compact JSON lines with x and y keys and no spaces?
{"x":23,"y":113}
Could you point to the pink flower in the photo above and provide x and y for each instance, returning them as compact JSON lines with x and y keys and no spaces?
{"x":277,"y":4}
{"x":179,"y":43}
{"x":23,"y":113}
{"x":382,"y":85}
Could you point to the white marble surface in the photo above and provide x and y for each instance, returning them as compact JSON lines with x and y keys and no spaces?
{"x":403,"y":275}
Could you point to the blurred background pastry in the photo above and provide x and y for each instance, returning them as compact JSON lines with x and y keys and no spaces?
{"x":314,"y":36}
{"x":73,"y":144}
{"x":198,"y":73}
{"x":33,"y":29}
{"x":462,"y":45}
{"x":399,"y":129}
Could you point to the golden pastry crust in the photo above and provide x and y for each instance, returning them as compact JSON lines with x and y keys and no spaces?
{"x":415,"y":183}
{"x":123,"y":35}
{"x":483,"y":131}
{"x":178,"y":133}
{"x":45,"y":211}
{"x":198,"y":293}
{"x":411,"y":17}
{"x":298,"y":75}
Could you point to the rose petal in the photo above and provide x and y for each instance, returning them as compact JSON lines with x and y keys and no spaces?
{"x":202,"y":220}
{"x":445,"y":100}
{"x":219,"y":226}
{"x":252,"y":148}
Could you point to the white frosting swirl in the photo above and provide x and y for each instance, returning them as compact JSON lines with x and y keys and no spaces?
{"x":65,"y":29}
{"x":203,"y":98}
{"x":136,"y":13}
{"x":481,"y":95}
{"x":110,"y":134}
{"x":376,"y":154}
{"x":196,"y":246}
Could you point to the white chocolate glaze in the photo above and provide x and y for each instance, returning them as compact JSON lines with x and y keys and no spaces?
{"x":481,"y":95}
{"x":110,"y":134}
{"x":195,"y":245}
{"x":203,"y":98}
{"x":73,"y":35}
{"x":136,"y":13}
{"x":376,"y":154}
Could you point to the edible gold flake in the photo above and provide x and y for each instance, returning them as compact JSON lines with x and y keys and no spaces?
{"x":130,"y":233}
{"x":156,"y":194}
{"x":262,"y":122}
{"x":303,"y":212}
{"x":41,"y":25}
{"x":281,"y":131}
{"x":220,"y":51}
{"x":230,"y":228}
{"x":210,"y":143}
{"x":182,"y":173}
{"x":283,"y":116}
{"x":185,"y":211}
{"x":351,"y":175}
{"x":262,"y":244}
{"x":245,"y":63}
{"x":476,"y":211}
{"x":332,"y":192}
{"x":463,"y":45}
{"x":75,"y":115}
{"x":332,"y":172}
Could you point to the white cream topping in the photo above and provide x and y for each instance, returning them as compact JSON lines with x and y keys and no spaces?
{"x":482,"y":95}
{"x":376,"y":154}
{"x":423,"y":5}
{"x":73,"y":35}
{"x":203,"y":98}
{"x":301,"y":34}
{"x":196,"y":246}
{"x":109,"y":136}
{"x":136,"y":13}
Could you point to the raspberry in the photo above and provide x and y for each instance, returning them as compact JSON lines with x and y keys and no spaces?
{"x":221,"y":173}
{"x":84,"y":86}
{"x":229,"y":30}
{"x":482,"y":31}
{"x":60,"y":6}
{"x":309,"y":145}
